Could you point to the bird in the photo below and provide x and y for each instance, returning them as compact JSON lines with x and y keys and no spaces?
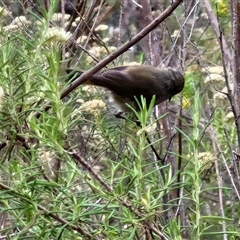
{"x":128,"y":83}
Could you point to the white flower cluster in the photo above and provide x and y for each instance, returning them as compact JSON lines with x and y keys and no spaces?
{"x":1,"y":93}
{"x":216,"y":84}
{"x":90,"y":107}
{"x":131,"y":63}
{"x":17,"y":23}
{"x":206,"y":159}
{"x":4,"y":12}
{"x":150,"y":129}
{"x":56,"y":17}
{"x":99,"y":52}
{"x":20,"y":21}
{"x":230,"y":118}
{"x":215,"y":80}
{"x":101,"y":27}
{"x":221,"y":98}
{"x":56,"y":34}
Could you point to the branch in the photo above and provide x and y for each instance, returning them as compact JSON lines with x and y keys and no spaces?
{"x":215,"y":25}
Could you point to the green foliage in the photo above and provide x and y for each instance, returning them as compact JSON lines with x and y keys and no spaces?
{"x":70,"y":170}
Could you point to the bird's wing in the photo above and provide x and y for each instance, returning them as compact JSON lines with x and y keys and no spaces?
{"x":125,"y":83}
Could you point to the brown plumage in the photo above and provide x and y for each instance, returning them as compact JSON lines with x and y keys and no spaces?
{"x":125,"y":82}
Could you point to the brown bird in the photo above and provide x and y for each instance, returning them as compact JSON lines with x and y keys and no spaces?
{"x":125,"y":82}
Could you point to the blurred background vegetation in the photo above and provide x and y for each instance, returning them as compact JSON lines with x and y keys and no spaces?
{"x":70,"y":170}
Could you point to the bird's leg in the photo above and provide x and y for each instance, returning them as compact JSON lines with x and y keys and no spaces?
{"x":119,"y":115}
